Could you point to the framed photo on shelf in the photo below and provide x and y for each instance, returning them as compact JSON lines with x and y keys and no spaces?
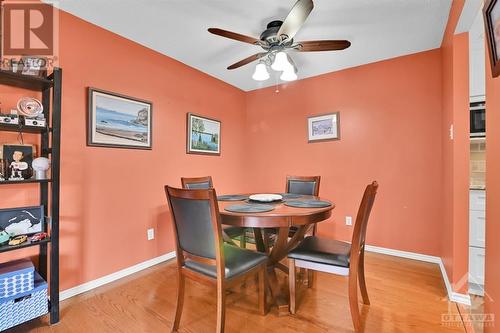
{"x":118,"y":121}
{"x":324,"y":127}
{"x":34,"y":66}
{"x":491,"y":12}
{"x":203,"y":135}
{"x":17,"y":161}
{"x":22,"y":220}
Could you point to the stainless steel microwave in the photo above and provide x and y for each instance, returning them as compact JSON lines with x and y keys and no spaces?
{"x":477,"y":119}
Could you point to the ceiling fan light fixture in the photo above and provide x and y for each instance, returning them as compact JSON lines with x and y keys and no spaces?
{"x":288,"y":74}
{"x":280,"y":61}
{"x":261,"y":73}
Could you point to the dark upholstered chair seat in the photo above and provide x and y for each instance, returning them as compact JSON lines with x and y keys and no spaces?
{"x":237,"y":261}
{"x":323,"y":251}
{"x":233,"y":232}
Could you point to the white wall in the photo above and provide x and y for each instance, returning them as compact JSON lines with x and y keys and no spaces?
{"x":477,"y":57}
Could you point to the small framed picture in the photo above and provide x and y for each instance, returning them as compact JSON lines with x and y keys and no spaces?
{"x":203,"y":135}
{"x":34,"y":66}
{"x":491,"y":12}
{"x":118,"y":121}
{"x":22,"y":220}
{"x":324,"y":127}
{"x":17,"y":161}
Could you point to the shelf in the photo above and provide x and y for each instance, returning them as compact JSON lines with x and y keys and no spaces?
{"x":22,"y":128}
{"x":26,"y":181}
{"x":24,"y":81}
{"x":7,"y":248}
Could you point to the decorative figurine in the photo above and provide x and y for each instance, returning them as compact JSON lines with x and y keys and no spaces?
{"x":17,"y":166}
{"x":18,"y":240}
{"x":41,"y":165}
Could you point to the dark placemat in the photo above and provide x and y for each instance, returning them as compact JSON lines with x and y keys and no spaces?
{"x":308,"y":203}
{"x":249,"y":208}
{"x":232,"y":197}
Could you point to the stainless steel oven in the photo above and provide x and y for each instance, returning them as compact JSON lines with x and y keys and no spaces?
{"x":477,"y":119}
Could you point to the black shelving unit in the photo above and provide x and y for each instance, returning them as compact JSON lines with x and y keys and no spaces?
{"x":50,"y":144}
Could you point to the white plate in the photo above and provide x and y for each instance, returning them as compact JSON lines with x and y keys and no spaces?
{"x":266,"y":197}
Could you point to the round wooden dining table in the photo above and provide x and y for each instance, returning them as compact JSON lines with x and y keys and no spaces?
{"x":281,"y":218}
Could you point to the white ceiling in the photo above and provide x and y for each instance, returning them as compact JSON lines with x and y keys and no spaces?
{"x":378,"y":29}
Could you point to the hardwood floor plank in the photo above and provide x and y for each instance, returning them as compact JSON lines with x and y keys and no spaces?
{"x":405,"y":295}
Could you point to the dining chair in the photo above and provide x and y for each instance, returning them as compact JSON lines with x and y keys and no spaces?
{"x":337,"y":257}
{"x":206,"y":183}
{"x":202,"y":254}
{"x":303,"y":185}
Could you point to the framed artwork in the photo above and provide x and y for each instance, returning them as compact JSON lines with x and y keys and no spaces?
{"x":118,"y":121}
{"x":491,"y":11}
{"x":324,"y":127}
{"x":34,"y":66}
{"x":17,"y":161}
{"x":22,"y":220}
{"x":203,"y":135}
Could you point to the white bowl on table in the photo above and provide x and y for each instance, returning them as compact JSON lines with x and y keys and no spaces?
{"x":266,"y":197}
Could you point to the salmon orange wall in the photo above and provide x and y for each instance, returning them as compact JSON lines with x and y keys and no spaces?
{"x":111,"y":196}
{"x":455,"y":171}
{"x":492,"y":271}
{"x":390,"y":119}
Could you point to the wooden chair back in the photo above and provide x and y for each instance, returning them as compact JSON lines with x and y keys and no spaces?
{"x":197,"y":183}
{"x":307,"y":185}
{"x":359,"y":233}
{"x":197,"y":228}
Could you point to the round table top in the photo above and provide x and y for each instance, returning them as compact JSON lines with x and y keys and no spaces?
{"x":281,"y":216}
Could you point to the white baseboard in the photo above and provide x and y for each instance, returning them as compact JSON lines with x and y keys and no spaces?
{"x":114,"y":276}
{"x":452,"y":295}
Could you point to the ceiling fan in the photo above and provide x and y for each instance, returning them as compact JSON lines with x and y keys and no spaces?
{"x":277,"y":39}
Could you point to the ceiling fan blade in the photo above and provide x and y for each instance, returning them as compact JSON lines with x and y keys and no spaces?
{"x":323,"y":45}
{"x":247,"y":60}
{"x":233,"y":35}
{"x":295,"y":19}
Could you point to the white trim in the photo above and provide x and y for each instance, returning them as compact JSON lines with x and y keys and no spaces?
{"x":114,"y":276}
{"x":452,"y":295}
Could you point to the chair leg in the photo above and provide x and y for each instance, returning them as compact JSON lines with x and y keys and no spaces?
{"x":362,"y":281}
{"x":262,"y":286}
{"x":291,"y":285}
{"x":181,"y":282}
{"x":243,"y":239}
{"x":221,"y":309}
{"x":310,"y":278}
{"x":353,"y":300}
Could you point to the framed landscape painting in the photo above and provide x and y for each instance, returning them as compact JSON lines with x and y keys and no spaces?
{"x":324,"y":127}
{"x":203,"y":135}
{"x":491,"y":11}
{"x":118,"y":121}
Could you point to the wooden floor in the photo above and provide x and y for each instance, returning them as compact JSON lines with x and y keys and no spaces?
{"x":406,"y":296}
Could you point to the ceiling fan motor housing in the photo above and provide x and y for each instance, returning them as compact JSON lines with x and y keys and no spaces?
{"x":270,"y":35}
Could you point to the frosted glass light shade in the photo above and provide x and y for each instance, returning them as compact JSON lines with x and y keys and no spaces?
{"x":261,"y":73}
{"x":280,"y":62}
{"x":289,"y":74}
